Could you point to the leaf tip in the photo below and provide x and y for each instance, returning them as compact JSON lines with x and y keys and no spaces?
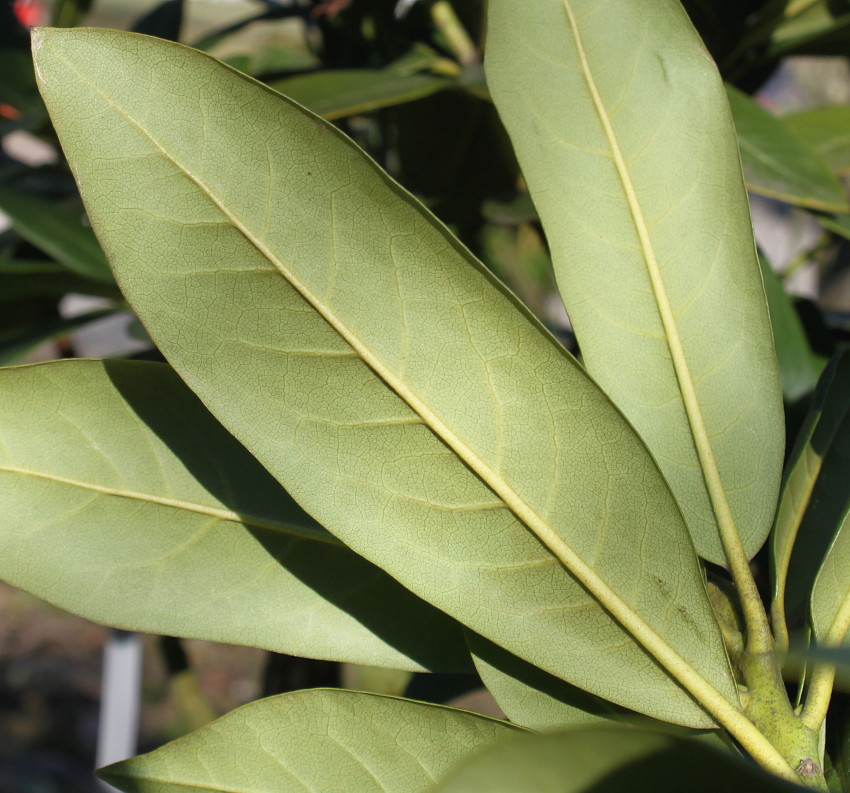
{"x":38,"y":35}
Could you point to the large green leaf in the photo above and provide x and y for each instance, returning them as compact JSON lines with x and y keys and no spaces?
{"x":57,"y":232}
{"x":622,"y":129}
{"x":374,"y":367}
{"x":814,"y":495}
{"x":337,"y":94}
{"x":125,"y":501}
{"x":314,"y":742}
{"x":779,"y":165}
{"x":606,"y":760}
{"x":825,"y":130}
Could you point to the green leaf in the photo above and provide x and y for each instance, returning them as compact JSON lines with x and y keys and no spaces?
{"x":779,"y":165}
{"x":799,"y":366}
{"x":18,"y":88}
{"x":125,"y":501}
{"x":606,"y":760}
{"x":621,"y":126}
{"x":814,"y":494}
{"x":57,"y":232}
{"x":812,"y":27}
{"x":337,"y":94}
{"x":314,"y":742}
{"x":16,"y":343}
{"x":837,"y":224}
{"x":372,"y":365}
{"x":826,"y":131}
{"x":20,"y":279}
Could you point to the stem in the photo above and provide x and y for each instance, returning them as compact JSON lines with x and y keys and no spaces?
{"x":459,"y":41}
{"x":823,"y":674}
{"x":819,"y":696}
{"x":772,"y":714}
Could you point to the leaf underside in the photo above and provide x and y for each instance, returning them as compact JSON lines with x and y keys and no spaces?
{"x":622,"y":128}
{"x":314,"y":742}
{"x":123,"y":500}
{"x":401,"y":395}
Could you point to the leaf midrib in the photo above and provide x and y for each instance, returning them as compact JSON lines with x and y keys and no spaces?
{"x":729,"y":536}
{"x":679,"y":669}
{"x":299,"y":532}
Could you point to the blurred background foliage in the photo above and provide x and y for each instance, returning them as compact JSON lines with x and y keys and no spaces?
{"x":405,"y":80}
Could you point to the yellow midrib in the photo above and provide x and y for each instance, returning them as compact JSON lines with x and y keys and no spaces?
{"x":176,"y":503}
{"x":729,"y":535}
{"x":692,"y":681}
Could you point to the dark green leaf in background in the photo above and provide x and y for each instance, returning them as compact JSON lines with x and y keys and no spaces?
{"x":56,"y":231}
{"x":336,"y":94}
{"x":826,"y":131}
{"x":815,"y":495}
{"x":17,"y":343}
{"x":799,"y":365}
{"x":779,"y":165}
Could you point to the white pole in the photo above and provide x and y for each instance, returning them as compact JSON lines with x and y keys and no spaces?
{"x":120,"y":697}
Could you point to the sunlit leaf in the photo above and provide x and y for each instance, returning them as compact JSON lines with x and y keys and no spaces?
{"x":373,"y":366}
{"x":621,"y":126}
{"x":314,"y":742}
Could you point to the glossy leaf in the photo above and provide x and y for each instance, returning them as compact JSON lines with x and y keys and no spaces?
{"x":314,"y":742}
{"x":125,"y":501}
{"x":16,"y":343}
{"x":57,"y":232}
{"x":826,"y":131}
{"x":621,"y":126}
{"x":815,"y":494}
{"x":779,"y":165}
{"x":606,"y":760}
{"x":337,"y":94}
{"x":374,"y":367}
{"x":799,"y":366}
